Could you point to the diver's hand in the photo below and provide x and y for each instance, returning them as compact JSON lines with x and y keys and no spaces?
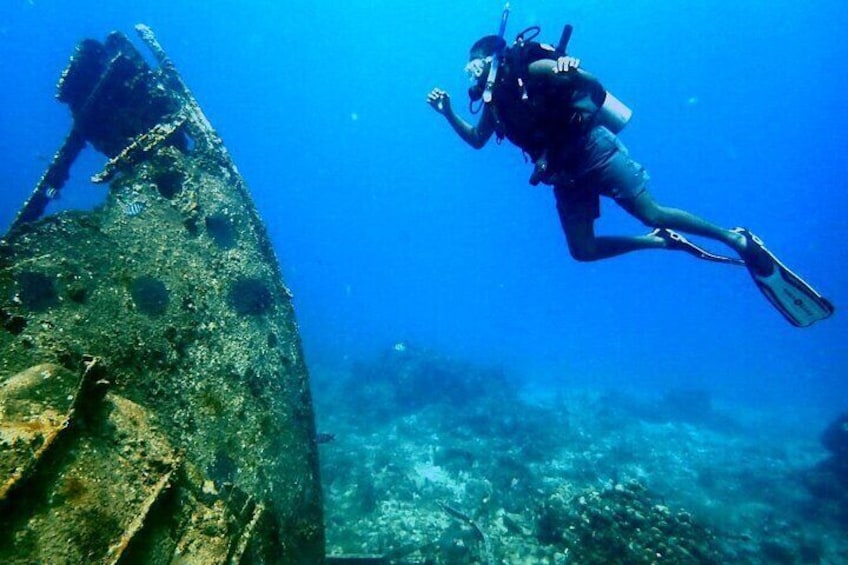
{"x":565,"y":64}
{"x":439,"y":100}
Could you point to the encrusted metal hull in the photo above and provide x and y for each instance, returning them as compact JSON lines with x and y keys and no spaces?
{"x":154,"y":401}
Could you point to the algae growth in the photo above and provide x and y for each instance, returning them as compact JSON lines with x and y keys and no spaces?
{"x":154,"y":400}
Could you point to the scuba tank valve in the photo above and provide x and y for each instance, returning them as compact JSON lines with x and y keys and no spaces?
{"x":613,"y":113}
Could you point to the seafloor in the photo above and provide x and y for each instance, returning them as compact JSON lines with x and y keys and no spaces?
{"x":427,"y":459}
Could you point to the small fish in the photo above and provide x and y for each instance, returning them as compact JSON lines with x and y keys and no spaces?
{"x":52,"y":193}
{"x":132,"y":208}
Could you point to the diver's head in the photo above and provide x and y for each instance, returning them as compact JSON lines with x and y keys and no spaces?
{"x":479,"y":62}
{"x":486,"y":47}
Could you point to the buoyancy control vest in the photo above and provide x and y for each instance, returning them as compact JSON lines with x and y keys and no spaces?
{"x":542,"y":113}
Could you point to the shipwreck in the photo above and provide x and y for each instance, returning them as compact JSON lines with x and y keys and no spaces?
{"x":154,"y":400}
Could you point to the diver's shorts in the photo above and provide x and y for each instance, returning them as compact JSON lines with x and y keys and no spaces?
{"x":604,"y":168}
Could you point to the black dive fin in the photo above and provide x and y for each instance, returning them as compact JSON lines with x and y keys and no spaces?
{"x":799,"y":303}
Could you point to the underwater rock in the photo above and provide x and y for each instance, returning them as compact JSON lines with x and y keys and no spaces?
{"x":148,"y":413}
{"x":827,"y":481}
{"x":832,"y":473}
{"x":403,"y":380}
{"x":835,"y":438}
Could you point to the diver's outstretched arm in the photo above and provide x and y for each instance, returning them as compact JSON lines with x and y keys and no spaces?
{"x":475,"y":136}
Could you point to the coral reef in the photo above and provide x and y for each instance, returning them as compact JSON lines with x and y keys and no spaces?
{"x":499,"y":474}
{"x":621,"y":523}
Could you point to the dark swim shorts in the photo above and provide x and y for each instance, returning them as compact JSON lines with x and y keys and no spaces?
{"x":603,"y":168}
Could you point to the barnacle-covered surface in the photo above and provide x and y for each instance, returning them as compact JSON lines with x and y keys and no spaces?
{"x":154,"y":401}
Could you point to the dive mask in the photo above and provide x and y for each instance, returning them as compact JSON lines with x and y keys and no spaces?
{"x":476,"y":68}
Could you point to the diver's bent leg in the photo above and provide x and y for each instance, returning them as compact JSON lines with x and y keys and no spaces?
{"x":585,"y":246}
{"x":645,"y":209}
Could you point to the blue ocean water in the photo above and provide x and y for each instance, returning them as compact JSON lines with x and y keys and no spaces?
{"x":391,"y":230}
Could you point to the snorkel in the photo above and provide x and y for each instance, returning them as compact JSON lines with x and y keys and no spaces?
{"x":480,"y":92}
{"x":496,"y":57}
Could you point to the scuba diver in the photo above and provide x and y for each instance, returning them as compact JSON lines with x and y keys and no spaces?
{"x":565,"y":122}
